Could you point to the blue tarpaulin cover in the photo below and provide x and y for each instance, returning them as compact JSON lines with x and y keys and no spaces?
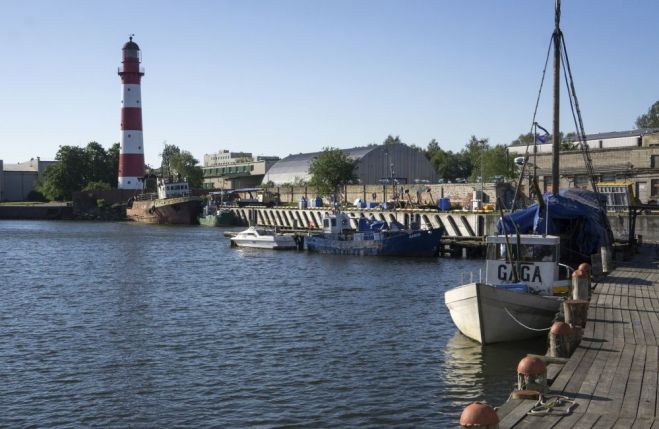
{"x":572,"y":205}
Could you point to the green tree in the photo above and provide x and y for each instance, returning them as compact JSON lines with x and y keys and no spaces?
{"x":113,"y":162}
{"x":495,"y":159}
{"x":330,"y":169}
{"x":75,"y":168}
{"x":180,"y":164}
{"x":448,"y":165}
{"x":186,"y":166}
{"x":523,"y":140}
{"x":568,"y":141}
{"x":497,"y":162}
{"x":97,"y":186}
{"x":392,"y":140}
{"x":97,"y":160}
{"x":432,"y":149}
{"x":66,"y":176}
{"x":650,"y":119}
{"x":167,"y":156}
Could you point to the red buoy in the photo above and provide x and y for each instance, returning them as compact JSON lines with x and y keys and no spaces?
{"x":478,"y":415}
{"x":531,"y":366}
{"x":585,"y":268}
{"x":561,"y":328}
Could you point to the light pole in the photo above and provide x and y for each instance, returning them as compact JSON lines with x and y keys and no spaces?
{"x":482,"y":142}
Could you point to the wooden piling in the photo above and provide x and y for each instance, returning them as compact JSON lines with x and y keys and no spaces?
{"x":580,"y":285}
{"x":607,"y":260}
{"x":575,"y":312}
{"x":559,"y":340}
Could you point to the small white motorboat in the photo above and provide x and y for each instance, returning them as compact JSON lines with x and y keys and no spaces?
{"x":496,"y":309}
{"x":263,"y":238}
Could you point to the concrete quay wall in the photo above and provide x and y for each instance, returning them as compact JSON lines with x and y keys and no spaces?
{"x":420,"y":194}
{"x":646,"y":226}
{"x":36,"y":212}
{"x":456,"y":223}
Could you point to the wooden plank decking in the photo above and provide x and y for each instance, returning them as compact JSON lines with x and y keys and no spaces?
{"x":613,"y":374}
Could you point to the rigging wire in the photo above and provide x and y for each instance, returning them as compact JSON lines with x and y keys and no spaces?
{"x":581,"y":133}
{"x":579,"y":125}
{"x":533,"y":122}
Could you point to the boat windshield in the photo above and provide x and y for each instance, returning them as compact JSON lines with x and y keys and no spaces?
{"x":265,"y":232}
{"x":527,"y":252}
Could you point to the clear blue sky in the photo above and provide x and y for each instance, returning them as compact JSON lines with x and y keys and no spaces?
{"x":275,"y":77}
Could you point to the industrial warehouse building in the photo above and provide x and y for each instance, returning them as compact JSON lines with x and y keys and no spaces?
{"x":625,"y":158}
{"x":374,"y":164}
{"x":231,"y":170}
{"x":18,"y":180}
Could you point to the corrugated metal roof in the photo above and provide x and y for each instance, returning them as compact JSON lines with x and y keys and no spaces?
{"x":619,"y":134}
{"x":22,"y":166}
{"x":616,"y":134}
{"x":296,"y":167}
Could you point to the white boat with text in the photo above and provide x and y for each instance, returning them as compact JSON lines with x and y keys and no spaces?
{"x":263,"y":238}
{"x":518,"y":299}
{"x":498,"y":310}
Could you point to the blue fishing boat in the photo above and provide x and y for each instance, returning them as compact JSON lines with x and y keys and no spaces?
{"x":372,"y":238}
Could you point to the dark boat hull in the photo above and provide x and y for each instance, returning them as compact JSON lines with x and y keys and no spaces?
{"x":222,"y":219}
{"x":391,"y":243}
{"x":170,"y":211}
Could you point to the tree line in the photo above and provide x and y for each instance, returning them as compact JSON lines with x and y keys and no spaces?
{"x":332,"y":167}
{"x":92,"y":168}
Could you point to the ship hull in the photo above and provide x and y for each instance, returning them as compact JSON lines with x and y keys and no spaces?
{"x":416,"y":243}
{"x":223,"y":219}
{"x":168,"y":211}
{"x":492,"y":315}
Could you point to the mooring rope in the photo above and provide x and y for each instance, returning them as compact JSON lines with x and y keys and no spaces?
{"x":557,"y":405}
{"x":523,"y":325}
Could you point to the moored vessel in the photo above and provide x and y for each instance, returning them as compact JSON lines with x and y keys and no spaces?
{"x":263,"y":238}
{"x":215,"y":213}
{"x":499,"y":308}
{"x":372,"y":238}
{"x":172,"y":205}
{"x":523,"y":305}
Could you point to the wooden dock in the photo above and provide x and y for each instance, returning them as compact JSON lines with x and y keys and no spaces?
{"x":613,"y":374}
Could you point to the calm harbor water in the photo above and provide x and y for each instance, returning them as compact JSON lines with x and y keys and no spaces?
{"x":126,"y":325}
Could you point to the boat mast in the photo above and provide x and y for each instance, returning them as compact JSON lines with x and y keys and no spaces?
{"x":555,"y":139}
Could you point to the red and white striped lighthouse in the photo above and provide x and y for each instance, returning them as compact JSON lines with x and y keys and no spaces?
{"x":131,"y":155}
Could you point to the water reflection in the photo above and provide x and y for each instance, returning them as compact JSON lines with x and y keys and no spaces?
{"x":148,"y":326}
{"x":474,"y":372}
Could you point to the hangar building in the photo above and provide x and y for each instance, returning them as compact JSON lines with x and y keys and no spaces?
{"x":375,"y":164}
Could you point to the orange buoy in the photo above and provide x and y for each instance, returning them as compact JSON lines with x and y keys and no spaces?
{"x":479,"y":415}
{"x":561,"y":328}
{"x":532,"y":374}
{"x":531,"y":366}
{"x":585,"y":268}
{"x":559,"y":340}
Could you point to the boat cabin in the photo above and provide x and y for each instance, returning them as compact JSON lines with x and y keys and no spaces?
{"x":254,"y":232}
{"x":536,"y":259}
{"x":167,"y":189}
{"x":336,"y":223}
